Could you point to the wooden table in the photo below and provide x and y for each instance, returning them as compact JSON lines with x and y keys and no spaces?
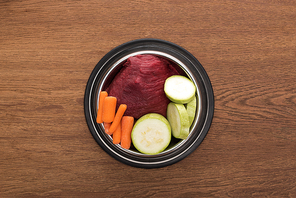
{"x":49,"y":48}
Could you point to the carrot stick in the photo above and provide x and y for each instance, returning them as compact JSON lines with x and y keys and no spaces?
{"x":109,"y":108}
{"x":107,"y":126}
{"x":117,"y":134}
{"x":102,"y":96}
{"x":117,"y":118}
{"x":127,"y":123}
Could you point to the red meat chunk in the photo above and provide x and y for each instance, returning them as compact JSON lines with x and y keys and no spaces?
{"x":139,"y":85}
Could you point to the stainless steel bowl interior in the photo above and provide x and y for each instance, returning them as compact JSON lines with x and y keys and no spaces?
{"x":113,"y":70}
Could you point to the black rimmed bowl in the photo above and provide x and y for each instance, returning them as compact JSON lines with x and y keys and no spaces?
{"x":185,"y":62}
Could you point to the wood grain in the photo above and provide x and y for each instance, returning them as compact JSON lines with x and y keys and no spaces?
{"x":49,"y":48}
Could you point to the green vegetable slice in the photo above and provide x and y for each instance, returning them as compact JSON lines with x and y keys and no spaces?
{"x":178,"y":118}
{"x":151,"y":134}
{"x":179,"y":89}
{"x":191,"y":110}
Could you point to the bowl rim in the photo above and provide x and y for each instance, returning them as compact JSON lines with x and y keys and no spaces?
{"x":168,"y":50}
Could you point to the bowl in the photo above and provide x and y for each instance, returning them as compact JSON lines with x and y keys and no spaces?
{"x":107,"y":68}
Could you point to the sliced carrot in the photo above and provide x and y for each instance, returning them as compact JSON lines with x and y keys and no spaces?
{"x":117,"y":118}
{"x":109,"y":108}
{"x":107,"y":127}
{"x":127,"y":123}
{"x":102,"y":96}
{"x":117,"y":134}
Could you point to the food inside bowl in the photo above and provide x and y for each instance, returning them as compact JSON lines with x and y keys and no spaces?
{"x":158,"y":101}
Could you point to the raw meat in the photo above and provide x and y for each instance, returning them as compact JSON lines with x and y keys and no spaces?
{"x":139,"y":85}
